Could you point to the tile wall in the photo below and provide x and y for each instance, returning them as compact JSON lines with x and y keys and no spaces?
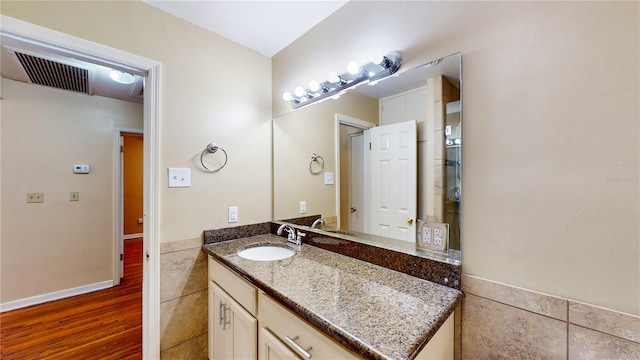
{"x":183,"y":300}
{"x":506,"y":322}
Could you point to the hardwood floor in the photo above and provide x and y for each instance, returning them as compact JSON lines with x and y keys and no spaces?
{"x":105,"y":324}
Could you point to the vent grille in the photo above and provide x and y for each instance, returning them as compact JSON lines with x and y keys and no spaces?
{"x":54,"y":74}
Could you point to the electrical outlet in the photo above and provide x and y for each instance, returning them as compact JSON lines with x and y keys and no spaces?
{"x":303,"y":207}
{"x":426,"y":234}
{"x":440,"y":236}
{"x":233,"y":214}
{"x":74,"y":196}
{"x":437,"y":237}
{"x":35,"y":197}
{"x":432,"y":236}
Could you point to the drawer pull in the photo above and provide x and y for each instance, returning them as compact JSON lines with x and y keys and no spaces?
{"x":300,"y":349}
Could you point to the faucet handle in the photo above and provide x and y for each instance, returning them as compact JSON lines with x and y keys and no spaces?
{"x":300,"y":236}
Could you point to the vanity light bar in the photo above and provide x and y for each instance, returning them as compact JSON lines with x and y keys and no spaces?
{"x":338,"y":84}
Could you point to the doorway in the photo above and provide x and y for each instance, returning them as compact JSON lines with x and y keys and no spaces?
{"x":91,"y":51}
{"x":129,"y":166}
{"x":345,"y":127}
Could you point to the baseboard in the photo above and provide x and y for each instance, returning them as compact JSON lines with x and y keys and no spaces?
{"x":132,"y":236}
{"x":56,"y":295}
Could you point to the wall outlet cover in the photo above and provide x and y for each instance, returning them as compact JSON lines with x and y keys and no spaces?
{"x":233,"y":214}
{"x":432,"y":236}
{"x":35,"y":197}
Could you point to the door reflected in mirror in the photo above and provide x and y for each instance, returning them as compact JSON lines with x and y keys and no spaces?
{"x":392,"y":160}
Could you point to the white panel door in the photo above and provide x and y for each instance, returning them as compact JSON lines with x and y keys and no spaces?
{"x":392,"y":170}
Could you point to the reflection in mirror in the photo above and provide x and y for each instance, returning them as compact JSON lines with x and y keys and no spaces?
{"x":392,"y":161}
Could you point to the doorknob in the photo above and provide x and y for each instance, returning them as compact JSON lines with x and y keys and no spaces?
{"x":352,"y":209}
{"x":409,"y":221}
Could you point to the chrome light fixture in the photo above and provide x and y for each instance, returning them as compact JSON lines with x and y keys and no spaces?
{"x":336,"y":85}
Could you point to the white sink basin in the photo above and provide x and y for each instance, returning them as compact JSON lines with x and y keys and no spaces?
{"x":268,"y":252}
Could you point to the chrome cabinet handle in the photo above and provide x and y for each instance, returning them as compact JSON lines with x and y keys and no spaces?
{"x":221,"y":313}
{"x":223,"y":316}
{"x":300,"y":349}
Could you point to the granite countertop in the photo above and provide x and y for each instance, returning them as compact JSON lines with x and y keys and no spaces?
{"x":376,"y":312}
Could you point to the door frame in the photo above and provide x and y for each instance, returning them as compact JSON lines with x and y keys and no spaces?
{"x":341,"y":119}
{"x":102,"y":54}
{"x":118,"y":215}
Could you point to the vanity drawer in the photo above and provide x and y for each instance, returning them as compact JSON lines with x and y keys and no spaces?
{"x":283,"y":323}
{"x":243,"y":292}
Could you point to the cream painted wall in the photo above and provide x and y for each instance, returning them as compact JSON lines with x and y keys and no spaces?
{"x":58,"y":244}
{"x":551,"y":130}
{"x":212,"y":90}
{"x":296,"y":136}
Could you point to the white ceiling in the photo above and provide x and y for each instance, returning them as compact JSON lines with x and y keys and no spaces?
{"x":266,"y":26}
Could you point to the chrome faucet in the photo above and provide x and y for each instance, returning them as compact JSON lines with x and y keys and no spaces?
{"x":291,"y":236}
{"x":318,"y":223}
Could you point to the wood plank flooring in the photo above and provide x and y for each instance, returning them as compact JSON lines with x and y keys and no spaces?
{"x":105,"y":324}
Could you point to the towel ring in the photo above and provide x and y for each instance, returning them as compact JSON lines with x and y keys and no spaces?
{"x":213,"y":148}
{"x":319,"y":160}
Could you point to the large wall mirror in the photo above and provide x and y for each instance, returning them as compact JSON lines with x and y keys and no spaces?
{"x":378,"y":162}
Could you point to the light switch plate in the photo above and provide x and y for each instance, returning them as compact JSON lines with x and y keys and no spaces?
{"x":179,"y":177}
{"x":328,"y":178}
{"x":303,"y":207}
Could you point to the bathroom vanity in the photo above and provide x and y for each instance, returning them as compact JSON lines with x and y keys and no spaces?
{"x":323,"y":305}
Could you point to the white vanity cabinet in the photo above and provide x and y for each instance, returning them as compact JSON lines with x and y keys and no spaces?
{"x":289,"y":330}
{"x":245,"y":323}
{"x":233,"y":328}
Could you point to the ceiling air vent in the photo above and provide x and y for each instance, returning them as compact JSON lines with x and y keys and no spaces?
{"x":54,"y":74}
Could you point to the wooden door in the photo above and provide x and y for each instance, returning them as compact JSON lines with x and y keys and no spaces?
{"x":133,"y":160}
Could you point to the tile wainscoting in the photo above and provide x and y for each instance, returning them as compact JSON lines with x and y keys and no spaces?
{"x":500,"y":321}
{"x":183,"y":300}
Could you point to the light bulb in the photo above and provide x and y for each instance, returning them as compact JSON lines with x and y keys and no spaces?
{"x":314,"y":85}
{"x":299,"y":91}
{"x":333,"y":78}
{"x":122,"y":77}
{"x":377,"y":59}
{"x":353,"y":68}
{"x":287,"y":96}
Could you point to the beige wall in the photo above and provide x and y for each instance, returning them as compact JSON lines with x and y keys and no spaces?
{"x":212,"y":90}
{"x":58,"y":244}
{"x":299,"y":134}
{"x":551,"y":130}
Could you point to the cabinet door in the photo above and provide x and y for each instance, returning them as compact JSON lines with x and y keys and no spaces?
{"x":220,"y":335}
{"x":244,"y":328}
{"x":270,"y":348}
{"x":233,"y":331}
